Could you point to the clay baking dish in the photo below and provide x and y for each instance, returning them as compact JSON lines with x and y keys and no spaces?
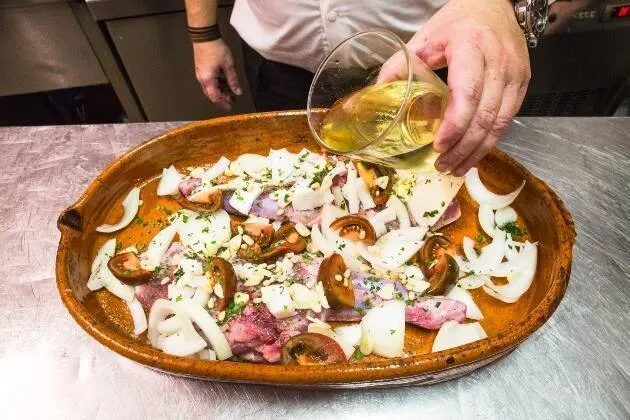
{"x":105,"y":318}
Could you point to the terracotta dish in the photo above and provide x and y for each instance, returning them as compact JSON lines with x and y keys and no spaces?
{"x":106,"y":318}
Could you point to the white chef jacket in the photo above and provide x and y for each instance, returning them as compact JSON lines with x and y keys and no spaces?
{"x":302,"y":32}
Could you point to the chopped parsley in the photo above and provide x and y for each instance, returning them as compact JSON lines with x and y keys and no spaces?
{"x":442,"y":204}
{"x":481,"y":239}
{"x":205,"y":230}
{"x":512,"y":228}
{"x":358,"y":355}
{"x":178,"y":298}
{"x":185,"y":218}
{"x":437,"y":304}
{"x":161,"y":208}
{"x":233,"y":309}
{"x":118,"y":245}
{"x":178,"y":274}
{"x":431,"y":213}
{"x":138,"y":220}
{"x":392,"y":332}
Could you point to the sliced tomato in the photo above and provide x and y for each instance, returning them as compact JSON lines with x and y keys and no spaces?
{"x":126,"y":268}
{"x":445,"y":272}
{"x":369,"y":173}
{"x":339,"y":293}
{"x":285,"y":240}
{"x":210,"y":204}
{"x":355,"y":228}
{"x":221,"y":271}
{"x":431,"y":251}
{"x":312,"y":349}
{"x":261,"y":233}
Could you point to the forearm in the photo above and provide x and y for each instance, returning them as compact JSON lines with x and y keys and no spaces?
{"x":201,"y":13}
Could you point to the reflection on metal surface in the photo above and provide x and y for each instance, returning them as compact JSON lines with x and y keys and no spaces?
{"x":43,"y":48}
{"x":575,"y":366}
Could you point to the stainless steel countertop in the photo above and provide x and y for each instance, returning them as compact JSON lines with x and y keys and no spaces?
{"x":576,"y":366}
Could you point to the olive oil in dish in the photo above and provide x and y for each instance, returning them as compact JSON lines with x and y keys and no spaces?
{"x":371,"y":124}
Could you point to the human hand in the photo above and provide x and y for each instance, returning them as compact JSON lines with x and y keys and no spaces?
{"x":214,"y":65}
{"x":488,"y":75}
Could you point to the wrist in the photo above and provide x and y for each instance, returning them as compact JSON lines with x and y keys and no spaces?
{"x":203,"y":34}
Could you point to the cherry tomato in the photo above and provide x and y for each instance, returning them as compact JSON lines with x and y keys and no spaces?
{"x":339,"y":291}
{"x":261,"y":233}
{"x":445,"y":272}
{"x":355,"y":228}
{"x":210,"y":204}
{"x":428,"y":256}
{"x":221,"y":271}
{"x":369,"y":173}
{"x":126,"y":268}
{"x":285,"y":240}
{"x":312,"y":349}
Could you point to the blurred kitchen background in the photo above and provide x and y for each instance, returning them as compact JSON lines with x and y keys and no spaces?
{"x":102,"y":61}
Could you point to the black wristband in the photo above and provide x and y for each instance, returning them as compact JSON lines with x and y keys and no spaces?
{"x":204,"y":34}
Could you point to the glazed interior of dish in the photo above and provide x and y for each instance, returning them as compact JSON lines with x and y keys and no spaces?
{"x":503,"y":322}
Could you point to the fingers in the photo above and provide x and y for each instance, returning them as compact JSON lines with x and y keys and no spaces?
{"x":482,"y":124}
{"x":395,"y":68}
{"x":465,"y":81}
{"x":212,"y":89}
{"x":513,"y":96}
{"x":232,"y":78}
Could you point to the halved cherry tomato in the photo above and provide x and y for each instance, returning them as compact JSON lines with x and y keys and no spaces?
{"x":312,"y":349}
{"x":210,"y":204}
{"x":432,"y":249}
{"x":338,"y":294}
{"x":370,"y":172}
{"x":445,"y":272}
{"x":285,"y":240}
{"x":126,"y":268}
{"x":261,"y":233}
{"x":355,"y":228}
{"x":221,"y":271}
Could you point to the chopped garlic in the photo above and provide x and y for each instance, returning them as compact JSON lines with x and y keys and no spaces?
{"x":386,"y":292}
{"x":241,"y":298}
{"x":302,"y":230}
{"x":248,"y":240}
{"x":218,"y":290}
{"x":382,"y":182}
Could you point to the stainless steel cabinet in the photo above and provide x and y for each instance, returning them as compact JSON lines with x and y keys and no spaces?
{"x":157,"y":56}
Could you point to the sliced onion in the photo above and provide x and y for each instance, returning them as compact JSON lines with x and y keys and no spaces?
{"x":384,"y":327}
{"x":131,"y":203}
{"x":207,"y":354}
{"x":525,"y":259}
{"x":256,"y":166}
{"x":243,"y":198}
{"x":452,"y":334}
{"x":104,"y":254}
{"x":486,"y":219}
{"x":305,"y":198}
{"x":519,"y":279}
{"x":504,"y":216}
{"x":398,"y":246}
{"x":351,"y":334}
{"x":401,"y":211}
{"x":138,"y":316}
{"x":203,"y":235}
{"x":511,"y":248}
{"x":481,"y":194}
{"x":115,"y":286}
{"x":231,"y":185}
{"x":209,"y":328}
{"x":347,"y":348}
{"x":157,"y":248}
{"x":182,"y":343}
{"x":337,"y":196}
{"x":320,"y":242}
{"x":282,"y":164}
{"x":431,"y":196}
{"x":169,"y":182}
{"x":343,"y":246}
{"x":379,"y":220}
{"x":201,"y":296}
{"x":178,"y":345}
{"x":169,"y":326}
{"x":491,"y":255}
{"x":473,"y":281}
{"x":349,"y":189}
{"x":365,"y":198}
{"x":464,"y":296}
{"x":216,"y":170}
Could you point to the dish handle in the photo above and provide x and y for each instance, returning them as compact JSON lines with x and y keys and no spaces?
{"x":71,"y":218}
